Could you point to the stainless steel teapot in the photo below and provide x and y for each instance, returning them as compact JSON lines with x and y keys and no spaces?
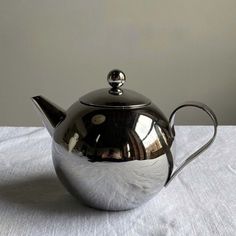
{"x":112,"y":148}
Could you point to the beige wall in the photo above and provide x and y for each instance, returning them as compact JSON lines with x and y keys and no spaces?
{"x":171,"y":51}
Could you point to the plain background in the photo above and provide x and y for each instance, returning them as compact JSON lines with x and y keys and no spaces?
{"x":171,"y":51}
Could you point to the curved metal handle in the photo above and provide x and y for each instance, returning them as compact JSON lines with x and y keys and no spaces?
{"x":205,"y":146}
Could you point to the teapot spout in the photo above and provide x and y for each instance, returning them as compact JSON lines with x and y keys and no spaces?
{"x":51,"y":114}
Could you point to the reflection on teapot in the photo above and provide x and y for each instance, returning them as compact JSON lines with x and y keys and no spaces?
{"x":72,"y":142}
{"x":111,"y":186}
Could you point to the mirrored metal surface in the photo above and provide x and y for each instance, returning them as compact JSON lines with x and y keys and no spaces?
{"x":113,"y":160}
{"x":110,"y":186}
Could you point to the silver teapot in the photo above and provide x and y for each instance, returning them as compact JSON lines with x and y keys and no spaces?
{"x":112,"y":148}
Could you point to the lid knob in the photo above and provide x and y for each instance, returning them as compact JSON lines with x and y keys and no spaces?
{"x":116,"y":79}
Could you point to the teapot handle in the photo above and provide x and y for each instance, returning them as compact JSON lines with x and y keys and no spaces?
{"x":205,"y":146}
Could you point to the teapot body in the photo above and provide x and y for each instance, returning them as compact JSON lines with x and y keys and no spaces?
{"x":113,"y":159}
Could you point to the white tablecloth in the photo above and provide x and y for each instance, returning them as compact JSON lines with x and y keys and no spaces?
{"x":200,"y":201}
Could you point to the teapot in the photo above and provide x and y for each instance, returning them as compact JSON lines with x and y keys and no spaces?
{"x":112,"y":149}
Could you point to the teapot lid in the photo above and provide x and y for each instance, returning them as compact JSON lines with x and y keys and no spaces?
{"x":115,"y":97}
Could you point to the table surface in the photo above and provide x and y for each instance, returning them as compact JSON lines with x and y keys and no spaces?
{"x":201,"y":200}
